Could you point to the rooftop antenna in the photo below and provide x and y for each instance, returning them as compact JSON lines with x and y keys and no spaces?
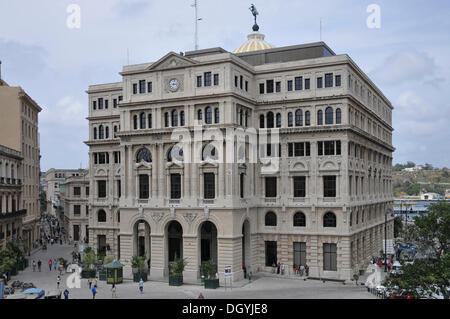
{"x":320,"y":28}
{"x":197,"y":19}
{"x":128,"y":56}
{"x":0,"y":72}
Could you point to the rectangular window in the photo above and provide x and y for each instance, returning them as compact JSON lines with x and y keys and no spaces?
{"x":76,"y":210}
{"x":289,"y":85}
{"x":299,"y":149}
{"x":299,"y":83}
{"x":338,"y":80}
{"x":207,"y":78}
{"x":269,"y":86}
{"x":338,"y":147}
{"x":319,"y":82}
{"x":241,"y":184}
{"x":299,"y":186}
{"x":329,"y":186}
{"x":209,"y":185}
{"x":290,"y":149}
{"x":299,"y":254}
{"x":320,"y":148}
{"x":149,"y":87}
{"x":241,"y":82}
{"x":271,"y":253}
{"x":329,"y":147}
{"x":216,"y":79}
{"x":307,"y":149}
{"x":114,"y":103}
{"x":120,"y":98}
{"x":76,"y":191}
{"x":307,"y":84}
{"x":87,"y":190}
{"x":106,"y":104}
{"x":94,"y":105}
{"x":141,"y":86}
{"x":143,"y":186}
{"x":199,"y":81}
{"x":119,"y":188}
{"x":101,"y":185}
{"x":246,"y":86}
{"x":100,"y":103}
{"x":116,"y":157}
{"x":134,"y":88}
{"x":329,"y":80}
{"x":236,"y":81}
{"x":330,"y":257}
{"x":261,"y":88}
{"x":175,"y":186}
{"x":271,"y":187}
{"x":278,"y":87}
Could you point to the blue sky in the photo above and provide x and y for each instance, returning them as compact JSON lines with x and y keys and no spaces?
{"x":407,"y":58}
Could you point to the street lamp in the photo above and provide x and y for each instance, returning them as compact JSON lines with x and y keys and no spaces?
{"x":385,"y":241}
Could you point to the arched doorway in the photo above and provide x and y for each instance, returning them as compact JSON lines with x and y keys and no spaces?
{"x":141,"y":239}
{"x":246,"y":249}
{"x":208,"y":242}
{"x":174,"y":240}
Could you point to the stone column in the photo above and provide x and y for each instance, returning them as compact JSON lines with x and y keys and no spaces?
{"x":191,"y":253}
{"x":229,"y":254}
{"x":157,"y":271}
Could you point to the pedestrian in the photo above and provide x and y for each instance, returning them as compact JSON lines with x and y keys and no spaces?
{"x":94,"y":291}
{"x":273,"y":267}
{"x":306,"y":270}
{"x":58,"y":281}
{"x":389,"y":266}
{"x":302,"y":269}
{"x":282,"y":269}
{"x":34,"y":266}
{"x":148,"y":265}
{"x":50,"y":263}
{"x":39,"y":265}
{"x":66,"y":294}
{"x":96,"y":282}
{"x":201,"y":296}
{"x":278,"y":268}
{"x":141,"y":286}
{"x":113,"y":291}
{"x":54,"y":263}
{"x":90,"y":282}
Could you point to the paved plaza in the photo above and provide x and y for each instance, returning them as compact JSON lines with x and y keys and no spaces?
{"x":261,"y":287}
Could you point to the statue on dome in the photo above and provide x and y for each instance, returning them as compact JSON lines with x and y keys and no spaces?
{"x":255,"y":13}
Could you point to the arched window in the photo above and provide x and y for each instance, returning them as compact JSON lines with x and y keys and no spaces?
{"x":174,"y":118}
{"x":209,"y":152}
{"x":107,"y":132}
{"x":278,"y":120}
{"x":182,"y":118}
{"x":150,"y":120}
{"x":95,"y":133}
{"x":270,"y":219}
{"x":208,"y":115}
{"x":319,"y":117}
{"x":175,"y":152}
{"x":261,"y":121}
{"x":101,"y":216}
{"x":135,"y":122}
{"x":101,"y":132}
{"x":329,"y":115}
{"x":144,"y":155}
{"x":329,"y":220}
{"x":216,"y":115}
{"x":200,"y":116}
{"x":270,"y":120}
{"x":338,"y":116}
{"x":298,"y":117}
{"x":307,"y":118}
{"x":299,"y":220}
{"x":290,"y":119}
{"x":142,"y":123}
{"x":166,"y":119}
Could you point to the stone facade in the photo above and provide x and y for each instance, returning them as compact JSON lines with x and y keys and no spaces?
{"x":334,"y":129}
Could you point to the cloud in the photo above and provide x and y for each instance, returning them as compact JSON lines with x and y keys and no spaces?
{"x":67,"y":112}
{"x":406,"y":66}
{"x":130,"y":8}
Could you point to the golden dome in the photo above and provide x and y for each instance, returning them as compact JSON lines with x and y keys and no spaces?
{"x":255,"y":43}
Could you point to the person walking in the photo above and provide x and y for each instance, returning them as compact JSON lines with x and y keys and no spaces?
{"x":201,"y":296}
{"x":50,"y":263}
{"x":282,"y":269}
{"x":141,"y":286}
{"x":54,"y":263}
{"x":39,"y":265}
{"x":90,"y":282}
{"x":34,"y":266}
{"x":113,"y":291}
{"x":96,"y":282}
{"x":58,"y":281}
{"x":278,"y":268}
{"x":66,"y":294}
{"x":302,"y":269}
{"x":306,"y":270}
{"x":94,"y":291}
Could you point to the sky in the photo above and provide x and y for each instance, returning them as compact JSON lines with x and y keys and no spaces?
{"x":407,"y":57}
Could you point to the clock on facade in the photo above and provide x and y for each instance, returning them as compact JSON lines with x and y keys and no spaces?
{"x":174,"y":84}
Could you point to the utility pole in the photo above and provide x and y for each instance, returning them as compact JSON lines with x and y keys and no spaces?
{"x":385,"y":242}
{"x":195,"y":5}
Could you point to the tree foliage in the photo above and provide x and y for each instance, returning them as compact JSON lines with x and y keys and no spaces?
{"x":430,"y":235}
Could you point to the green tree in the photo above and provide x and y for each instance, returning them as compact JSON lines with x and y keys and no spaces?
{"x":430,"y":235}
{"x":398,"y":226}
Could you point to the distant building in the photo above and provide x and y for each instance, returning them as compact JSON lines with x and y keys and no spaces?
{"x":447,"y":194}
{"x":19,"y":132}
{"x":430,"y":196}
{"x":413,"y":169}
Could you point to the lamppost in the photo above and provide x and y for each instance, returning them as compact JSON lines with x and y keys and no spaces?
{"x":385,"y":241}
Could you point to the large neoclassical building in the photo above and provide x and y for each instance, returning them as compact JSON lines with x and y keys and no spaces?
{"x":166,"y":185}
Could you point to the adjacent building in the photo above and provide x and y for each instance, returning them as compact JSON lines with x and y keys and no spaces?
{"x":19,"y":132}
{"x":305,"y":179}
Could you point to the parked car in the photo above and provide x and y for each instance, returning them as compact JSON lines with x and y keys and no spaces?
{"x":402,"y":295}
{"x":396,"y":269}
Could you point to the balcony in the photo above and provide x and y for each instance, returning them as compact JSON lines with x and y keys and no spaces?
{"x":13,"y":215}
